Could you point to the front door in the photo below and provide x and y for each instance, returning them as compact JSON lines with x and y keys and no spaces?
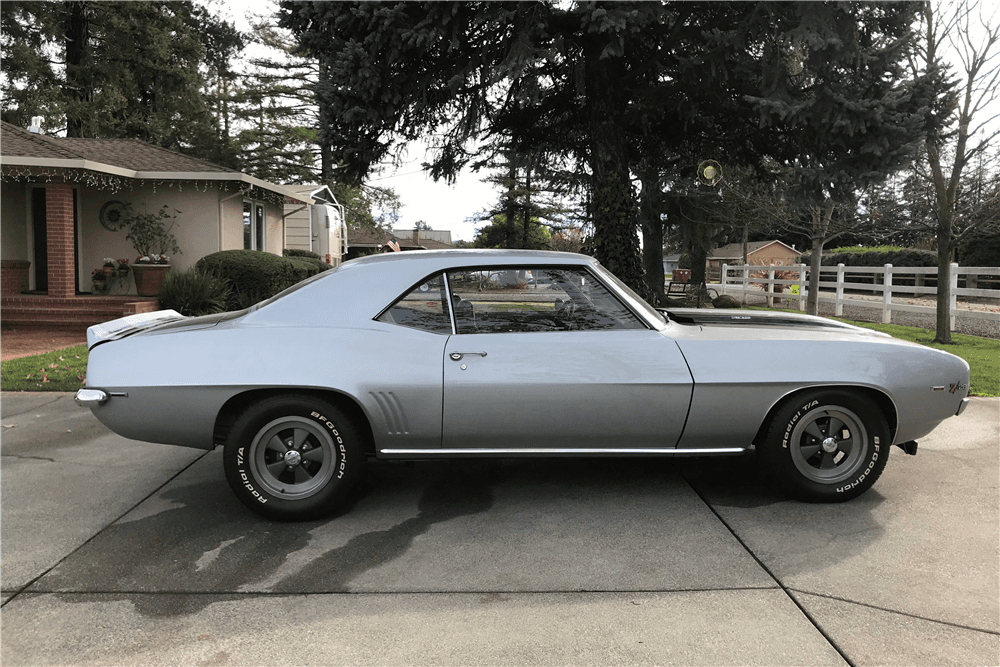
{"x":550,"y":359}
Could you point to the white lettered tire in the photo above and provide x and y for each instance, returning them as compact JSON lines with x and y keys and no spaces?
{"x":293,"y":457}
{"x":827,"y":445}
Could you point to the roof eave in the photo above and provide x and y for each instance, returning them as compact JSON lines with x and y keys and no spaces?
{"x":22,"y":161}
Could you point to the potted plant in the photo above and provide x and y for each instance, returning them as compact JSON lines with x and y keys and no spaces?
{"x":98,"y":277}
{"x":122,"y":268}
{"x":109,"y":266}
{"x":151,"y":236}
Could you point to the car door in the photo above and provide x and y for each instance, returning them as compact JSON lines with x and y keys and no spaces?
{"x":557,"y":364}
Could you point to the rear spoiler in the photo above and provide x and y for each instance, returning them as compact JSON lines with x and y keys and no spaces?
{"x":131,"y":324}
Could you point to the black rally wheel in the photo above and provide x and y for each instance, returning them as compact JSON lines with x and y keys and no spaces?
{"x":293,"y":457}
{"x":827,"y":445}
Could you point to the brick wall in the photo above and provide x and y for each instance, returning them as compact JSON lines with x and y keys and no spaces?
{"x":59,"y":223}
{"x":14,"y":276}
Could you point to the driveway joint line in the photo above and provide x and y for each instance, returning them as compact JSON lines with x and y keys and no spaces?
{"x":896,"y":611}
{"x":90,"y":539}
{"x":387,"y":593}
{"x":785,"y":589}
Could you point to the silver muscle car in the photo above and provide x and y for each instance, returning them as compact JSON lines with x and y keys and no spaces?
{"x":419,"y":355}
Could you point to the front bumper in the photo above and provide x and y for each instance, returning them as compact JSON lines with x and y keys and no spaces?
{"x":962,"y":406}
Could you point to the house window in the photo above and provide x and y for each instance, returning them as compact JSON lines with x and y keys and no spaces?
{"x":253,"y":225}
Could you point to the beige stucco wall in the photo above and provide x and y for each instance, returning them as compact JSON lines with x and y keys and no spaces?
{"x":14,"y":221}
{"x":196,"y":227}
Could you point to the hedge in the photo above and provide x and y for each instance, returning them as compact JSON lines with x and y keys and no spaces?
{"x":253,"y":275}
{"x":878,"y":259}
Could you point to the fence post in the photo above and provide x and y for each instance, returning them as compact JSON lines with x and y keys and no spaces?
{"x":722,"y":280}
{"x":952,"y":296}
{"x":802,"y":287}
{"x":746,"y":280}
{"x":887,"y":295}
{"x":838,"y":309}
{"x":769,"y":290}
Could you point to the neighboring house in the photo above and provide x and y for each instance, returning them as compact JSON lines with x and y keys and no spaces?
{"x":671,"y":263}
{"x":318,"y":227}
{"x":759,"y":253}
{"x":57,"y":196}
{"x":362,"y":242}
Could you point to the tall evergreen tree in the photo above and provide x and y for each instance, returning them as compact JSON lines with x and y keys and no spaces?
{"x":834,"y":84}
{"x":115,"y":69}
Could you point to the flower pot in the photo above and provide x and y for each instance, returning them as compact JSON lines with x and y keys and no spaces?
{"x":149,"y":278}
{"x":108,"y":270}
{"x":122,"y":273}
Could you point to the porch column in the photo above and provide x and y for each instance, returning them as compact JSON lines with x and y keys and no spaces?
{"x":59,"y":228}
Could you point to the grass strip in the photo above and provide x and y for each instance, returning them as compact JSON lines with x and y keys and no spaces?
{"x":61,"y":370}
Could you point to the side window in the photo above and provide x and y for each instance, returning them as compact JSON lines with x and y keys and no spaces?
{"x":533,"y":299}
{"x":424,"y":307}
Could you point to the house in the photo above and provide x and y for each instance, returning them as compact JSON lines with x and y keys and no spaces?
{"x":759,"y":253}
{"x":362,"y":242}
{"x":319,"y":227}
{"x":59,"y":196}
{"x":671,"y":263}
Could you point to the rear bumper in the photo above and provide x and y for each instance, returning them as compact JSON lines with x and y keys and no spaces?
{"x":962,"y":406}
{"x":90,"y":398}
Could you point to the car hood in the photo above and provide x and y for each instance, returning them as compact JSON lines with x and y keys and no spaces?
{"x":789,"y":322}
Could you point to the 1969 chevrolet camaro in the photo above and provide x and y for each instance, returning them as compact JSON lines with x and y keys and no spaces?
{"x":419,"y":355}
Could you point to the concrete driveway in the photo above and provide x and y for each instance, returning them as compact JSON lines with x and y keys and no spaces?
{"x":122,"y":553}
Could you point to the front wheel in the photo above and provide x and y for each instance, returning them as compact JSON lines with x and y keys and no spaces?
{"x":827,"y":445}
{"x":293,"y":457}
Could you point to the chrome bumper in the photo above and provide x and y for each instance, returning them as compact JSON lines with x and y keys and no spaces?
{"x":90,"y":398}
{"x":962,"y":407}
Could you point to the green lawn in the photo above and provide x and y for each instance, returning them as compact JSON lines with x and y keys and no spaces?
{"x":62,"y":370}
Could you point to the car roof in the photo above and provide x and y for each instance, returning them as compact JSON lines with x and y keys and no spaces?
{"x":476,"y":257}
{"x":359,"y":289}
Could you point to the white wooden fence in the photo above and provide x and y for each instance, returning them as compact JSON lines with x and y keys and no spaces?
{"x":742,"y":281}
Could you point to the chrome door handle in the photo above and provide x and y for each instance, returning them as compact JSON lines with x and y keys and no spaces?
{"x":457,"y":356}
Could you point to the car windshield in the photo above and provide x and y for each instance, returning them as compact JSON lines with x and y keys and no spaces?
{"x":634,"y":299}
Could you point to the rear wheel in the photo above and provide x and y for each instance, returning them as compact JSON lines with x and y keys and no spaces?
{"x":827,"y":445}
{"x":293,"y":457}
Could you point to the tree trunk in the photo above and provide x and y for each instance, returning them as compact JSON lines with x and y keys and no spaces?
{"x":510,"y":237}
{"x":820,"y":226}
{"x":615,"y":211}
{"x":942,"y":316}
{"x":77,"y":72}
{"x":526,"y":209}
{"x":652,"y":232}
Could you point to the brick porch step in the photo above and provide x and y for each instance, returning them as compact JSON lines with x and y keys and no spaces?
{"x":80,"y":312}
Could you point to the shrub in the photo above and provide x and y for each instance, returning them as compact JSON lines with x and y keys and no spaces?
{"x":295,"y":252}
{"x":193,"y":293}
{"x":253,"y":275}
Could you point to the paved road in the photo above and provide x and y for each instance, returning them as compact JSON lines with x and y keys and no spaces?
{"x":122,"y":553}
